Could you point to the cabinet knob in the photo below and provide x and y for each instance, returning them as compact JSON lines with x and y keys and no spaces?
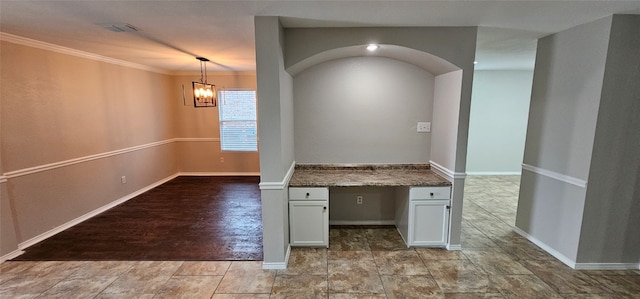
{"x":324,"y":208}
{"x":431,"y":194}
{"x":307,"y":195}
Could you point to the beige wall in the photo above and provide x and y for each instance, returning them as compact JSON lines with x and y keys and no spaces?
{"x":71,"y":127}
{"x":8,"y":238}
{"x":199,"y":150}
{"x":75,"y":107}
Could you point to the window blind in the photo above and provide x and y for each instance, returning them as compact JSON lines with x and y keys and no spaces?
{"x":238,"y":125}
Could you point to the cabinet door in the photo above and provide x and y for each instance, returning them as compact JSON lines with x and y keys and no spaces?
{"x":429,"y":223}
{"x":309,"y":223}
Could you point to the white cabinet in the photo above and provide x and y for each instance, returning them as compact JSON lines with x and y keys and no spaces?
{"x":422,"y":215}
{"x":309,"y":217}
{"x":428,"y":222}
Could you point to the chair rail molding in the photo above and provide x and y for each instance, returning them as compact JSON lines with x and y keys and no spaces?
{"x":447,"y":173}
{"x":555,"y":175}
{"x":282,"y":184}
{"x":54,"y":165}
{"x":50,"y":166}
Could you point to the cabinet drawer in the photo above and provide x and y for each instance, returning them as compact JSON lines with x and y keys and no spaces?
{"x":308,"y":193}
{"x":430,"y":193}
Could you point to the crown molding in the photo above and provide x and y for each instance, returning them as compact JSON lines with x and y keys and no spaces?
{"x":69,"y":51}
{"x":211,"y":73}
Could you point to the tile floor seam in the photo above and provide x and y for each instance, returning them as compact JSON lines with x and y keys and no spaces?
{"x":442,"y":291}
{"x":275,"y":276}
{"x":55,"y":284}
{"x":618,"y":284}
{"x":107,"y":286}
{"x":326,"y":250}
{"x":117,"y":277}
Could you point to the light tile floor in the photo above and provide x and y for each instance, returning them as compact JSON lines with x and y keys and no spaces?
{"x":360,"y":263}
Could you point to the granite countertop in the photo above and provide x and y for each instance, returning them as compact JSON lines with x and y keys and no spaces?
{"x":351,"y":175}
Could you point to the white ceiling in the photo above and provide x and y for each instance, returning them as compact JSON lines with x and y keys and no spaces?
{"x":172,"y":33}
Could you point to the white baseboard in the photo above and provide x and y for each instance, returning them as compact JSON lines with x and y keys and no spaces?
{"x":607,"y":266}
{"x":362,"y":222}
{"x":278,"y":266}
{"x":577,"y":266}
{"x":218,"y":174}
{"x":456,"y":247}
{"x":565,"y":260}
{"x":11,"y":255}
{"x":67,"y":225}
{"x":494,"y":172}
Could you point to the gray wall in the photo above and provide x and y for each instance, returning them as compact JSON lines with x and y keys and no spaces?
{"x":611,"y":218}
{"x":446,"y":111}
{"x":275,"y":114}
{"x":362,"y":110}
{"x":449,"y":125}
{"x":565,"y":98}
{"x":562,"y":119}
{"x":378,"y":205}
{"x":455,"y":44}
{"x":498,"y":121}
{"x":275,"y":122}
{"x":583,"y":124}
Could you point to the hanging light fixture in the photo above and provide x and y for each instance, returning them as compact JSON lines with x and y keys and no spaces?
{"x":204,"y":94}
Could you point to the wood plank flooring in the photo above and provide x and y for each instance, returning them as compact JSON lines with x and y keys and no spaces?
{"x":187,"y":218}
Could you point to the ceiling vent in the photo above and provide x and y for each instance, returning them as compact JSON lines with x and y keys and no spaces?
{"x":122,"y":27}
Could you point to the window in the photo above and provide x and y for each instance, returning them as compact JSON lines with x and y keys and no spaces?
{"x":238,"y":126}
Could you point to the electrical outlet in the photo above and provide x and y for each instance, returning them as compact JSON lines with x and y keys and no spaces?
{"x":424,"y":126}
{"x":123,"y":179}
{"x":359,"y":199}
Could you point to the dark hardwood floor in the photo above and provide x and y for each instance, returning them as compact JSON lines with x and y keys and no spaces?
{"x":187,"y":218}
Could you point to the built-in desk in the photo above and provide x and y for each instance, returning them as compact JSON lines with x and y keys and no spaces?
{"x":422,"y":200}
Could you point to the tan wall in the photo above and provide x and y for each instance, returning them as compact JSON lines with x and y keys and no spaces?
{"x":57,"y":107}
{"x":201,"y":153}
{"x":103,"y":121}
{"x":74,"y":107}
{"x":8,"y":238}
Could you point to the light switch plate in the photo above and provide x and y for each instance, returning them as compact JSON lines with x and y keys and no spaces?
{"x":424,"y":126}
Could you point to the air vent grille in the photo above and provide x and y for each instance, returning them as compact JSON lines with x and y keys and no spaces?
{"x":123,"y":27}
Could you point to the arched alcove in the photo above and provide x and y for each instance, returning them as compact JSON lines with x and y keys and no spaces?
{"x":358,"y":106}
{"x":362,"y":109}
{"x":282,"y":53}
{"x":429,"y":62}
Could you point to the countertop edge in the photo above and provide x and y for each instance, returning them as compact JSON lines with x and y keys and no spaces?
{"x":313,"y":175}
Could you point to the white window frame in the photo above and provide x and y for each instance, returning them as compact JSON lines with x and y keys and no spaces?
{"x":222,"y":98}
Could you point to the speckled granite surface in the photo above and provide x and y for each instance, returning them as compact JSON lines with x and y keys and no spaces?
{"x":350,"y":175}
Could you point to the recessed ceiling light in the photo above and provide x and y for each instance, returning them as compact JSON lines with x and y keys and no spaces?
{"x":372,"y":47}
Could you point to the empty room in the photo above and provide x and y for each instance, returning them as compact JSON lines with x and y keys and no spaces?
{"x":319,"y":149}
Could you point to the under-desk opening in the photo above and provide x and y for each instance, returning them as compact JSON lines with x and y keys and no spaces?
{"x":377,"y":205}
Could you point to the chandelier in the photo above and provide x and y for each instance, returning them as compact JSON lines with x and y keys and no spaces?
{"x":204,"y":94}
